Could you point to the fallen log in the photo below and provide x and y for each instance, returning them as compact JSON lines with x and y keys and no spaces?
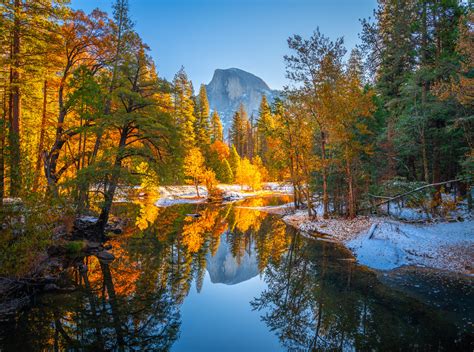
{"x":372,"y":231}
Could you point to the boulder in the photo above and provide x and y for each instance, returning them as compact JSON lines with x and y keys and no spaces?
{"x":105,"y":256}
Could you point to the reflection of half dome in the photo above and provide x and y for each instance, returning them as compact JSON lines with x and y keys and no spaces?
{"x":223,"y":267}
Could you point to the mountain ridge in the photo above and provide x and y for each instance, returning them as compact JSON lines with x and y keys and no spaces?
{"x":231,"y":87}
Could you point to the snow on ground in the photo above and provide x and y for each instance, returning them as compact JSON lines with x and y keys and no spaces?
{"x":171,"y":195}
{"x":392,"y":244}
{"x":405,"y":213}
{"x":418,"y":214}
{"x":339,"y":228}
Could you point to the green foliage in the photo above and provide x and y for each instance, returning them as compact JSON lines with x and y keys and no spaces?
{"x":30,"y":227}
{"x":74,"y":247}
{"x":234,"y":160}
{"x":202,"y":124}
{"x":226,"y":172}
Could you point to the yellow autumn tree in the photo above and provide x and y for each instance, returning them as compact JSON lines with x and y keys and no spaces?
{"x":194,"y":168}
{"x":196,"y":173}
{"x":248,"y":174}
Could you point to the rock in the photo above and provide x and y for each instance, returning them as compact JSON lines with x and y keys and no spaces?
{"x":117,"y":231}
{"x":194,"y":215}
{"x":93,"y":245}
{"x":105,"y":256}
{"x":231,"y":87}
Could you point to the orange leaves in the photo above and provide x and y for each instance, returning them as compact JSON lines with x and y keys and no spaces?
{"x":249,"y":174}
{"x":195,"y":230}
{"x":221,"y":149}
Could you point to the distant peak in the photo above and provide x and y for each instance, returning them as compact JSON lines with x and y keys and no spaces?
{"x":246,"y":78}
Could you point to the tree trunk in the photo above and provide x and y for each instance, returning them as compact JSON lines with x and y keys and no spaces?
{"x":2,"y":148}
{"x":324,"y":174}
{"x":41,"y":140}
{"x":308,"y":201}
{"x":14,"y":132}
{"x":112,"y":185}
{"x":391,"y":155}
{"x":114,"y":307}
{"x":426,"y":172}
{"x":424,"y":89}
{"x":350,"y":189}
{"x":51,"y":158}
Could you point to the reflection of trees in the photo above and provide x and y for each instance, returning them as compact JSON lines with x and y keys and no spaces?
{"x":315,"y":302}
{"x":99,"y":317}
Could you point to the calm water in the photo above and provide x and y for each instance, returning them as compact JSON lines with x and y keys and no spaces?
{"x":237,"y":279}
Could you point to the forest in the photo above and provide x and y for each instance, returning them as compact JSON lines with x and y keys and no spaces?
{"x":86,"y":120}
{"x":84,"y":112}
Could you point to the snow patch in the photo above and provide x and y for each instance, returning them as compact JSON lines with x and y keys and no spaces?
{"x":384,"y":244}
{"x":448,"y":246}
{"x":172,"y":195}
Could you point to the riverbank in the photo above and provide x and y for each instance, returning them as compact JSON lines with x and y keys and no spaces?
{"x":385,"y":244}
{"x":380,"y":243}
{"x":185,"y":194}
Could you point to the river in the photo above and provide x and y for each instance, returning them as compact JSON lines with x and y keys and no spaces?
{"x":239,"y":279}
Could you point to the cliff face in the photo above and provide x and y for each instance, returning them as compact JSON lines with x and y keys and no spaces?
{"x":224,"y":268}
{"x":231,"y":87}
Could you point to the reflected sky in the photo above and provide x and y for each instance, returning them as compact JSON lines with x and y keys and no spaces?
{"x":220,"y":315}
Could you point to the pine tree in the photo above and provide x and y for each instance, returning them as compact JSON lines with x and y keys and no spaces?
{"x":226,"y":172}
{"x":184,"y":109}
{"x":217,"y":133}
{"x":234,"y":160}
{"x":202,"y":125}
{"x":239,"y":131}
{"x":264,"y":125}
{"x":391,"y":46}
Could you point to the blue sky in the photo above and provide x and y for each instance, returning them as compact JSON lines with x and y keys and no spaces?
{"x":203,"y":35}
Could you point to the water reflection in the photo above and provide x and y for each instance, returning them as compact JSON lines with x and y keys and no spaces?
{"x":317,"y":301}
{"x":104,"y":314}
{"x":306,"y":296}
{"x":224,"y":268}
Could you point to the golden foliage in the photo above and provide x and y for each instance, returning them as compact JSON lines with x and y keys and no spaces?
{"x":249,"y":175}
{"x":220,"y":149}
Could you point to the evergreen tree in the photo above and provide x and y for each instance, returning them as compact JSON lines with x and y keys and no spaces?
{"x":234,"y":160}
{"x":217,"y":133}
{"x":202,"y":125}
{"x":264,"y":126}
{"x":391,"y":55}
{"x":239,"y":132}
{"x":226,"y":172}
{"x":184,"y":109}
